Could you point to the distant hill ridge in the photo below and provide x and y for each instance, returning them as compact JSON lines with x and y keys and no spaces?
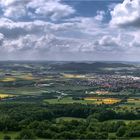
{"x":89,"y":66}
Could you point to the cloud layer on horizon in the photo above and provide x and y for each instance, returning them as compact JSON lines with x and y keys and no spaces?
{"x":52,"y":30}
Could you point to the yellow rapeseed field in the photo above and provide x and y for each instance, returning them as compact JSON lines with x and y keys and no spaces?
{"x":103,"y":100}
{"x":111,"y":100}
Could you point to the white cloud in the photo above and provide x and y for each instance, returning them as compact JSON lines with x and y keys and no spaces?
{"x":1,"y":38}
{"x":100,"y":15}
{"x":39,"y":37}
{"x":78,"y":36}
{"x":108,"y":43}
{"x":13,"y":8}
{"x":47,"y":9}
{"x":52,"y":8}
{"x":126,"y":14}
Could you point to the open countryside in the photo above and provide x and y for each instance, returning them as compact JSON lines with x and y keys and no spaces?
{"x":57,"y":101}
{"x":69,"y":69}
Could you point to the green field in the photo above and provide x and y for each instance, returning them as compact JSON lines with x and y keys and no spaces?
{"x":131,"y":104}
{"x":23,"y":90}
{"x":68,"y":100}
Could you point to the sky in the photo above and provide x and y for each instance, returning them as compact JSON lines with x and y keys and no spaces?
{"x":70,"y":30}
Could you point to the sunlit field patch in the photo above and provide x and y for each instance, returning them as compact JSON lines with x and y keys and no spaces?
{"x":102,"y":92}
{"x":73,"y":76}
{"x":111,"y":101}
{"x":103,"y":100}
{"x":46,"y":79}
{"x":91,"y":99}
{"x":27,"y":77}
{"x":133,"y":99}
{"x":69,"y":119}
{"x":2,"y":96}
{"x":9,"y":79}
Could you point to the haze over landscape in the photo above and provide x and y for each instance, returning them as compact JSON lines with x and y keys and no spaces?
{"x":70,"y":30}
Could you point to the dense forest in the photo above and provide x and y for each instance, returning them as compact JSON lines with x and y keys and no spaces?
{"x":37,"y":120}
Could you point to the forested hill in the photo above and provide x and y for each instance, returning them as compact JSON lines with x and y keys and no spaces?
{"x":83,"y":66}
